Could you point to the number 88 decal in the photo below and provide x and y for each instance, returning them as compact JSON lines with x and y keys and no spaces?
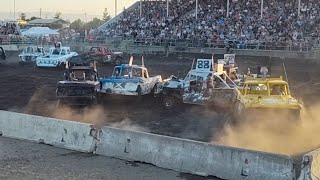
{"x":203,"y":64}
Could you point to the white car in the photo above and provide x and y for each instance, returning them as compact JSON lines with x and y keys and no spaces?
{"x":30,"y":54}
{"x":57,"y":57}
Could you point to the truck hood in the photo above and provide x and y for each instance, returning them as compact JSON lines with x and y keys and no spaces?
{"x":281,"y":102}
{"x":173,"y":82}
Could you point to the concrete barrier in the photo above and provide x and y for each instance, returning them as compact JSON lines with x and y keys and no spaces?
{"x":10,"y":47}
{"x":194,"y":157}
{"x":310,"y":166}
{"x":67,"y":134}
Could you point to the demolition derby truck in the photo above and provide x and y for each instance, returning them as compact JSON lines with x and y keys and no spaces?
{"x":205,"y":84}
{"x":130,"y":80}
{"x":57,"y":57}
{"x":105,"y":55}
{"x":30,"y":54}
{"x":266,"y":97}
{"x":80,"y":84}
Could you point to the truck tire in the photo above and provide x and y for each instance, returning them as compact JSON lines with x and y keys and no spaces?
{"x":172,"y":104}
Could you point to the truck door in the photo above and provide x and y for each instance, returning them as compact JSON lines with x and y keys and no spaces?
{"x":193,"y":90}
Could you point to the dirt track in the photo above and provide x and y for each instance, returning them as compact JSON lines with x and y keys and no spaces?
{"x":32,"y":90}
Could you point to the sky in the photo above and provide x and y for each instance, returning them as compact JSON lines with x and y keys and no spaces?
{"x":32,"y":7}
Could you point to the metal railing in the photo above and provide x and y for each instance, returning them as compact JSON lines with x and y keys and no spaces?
{"x":161,"y":42}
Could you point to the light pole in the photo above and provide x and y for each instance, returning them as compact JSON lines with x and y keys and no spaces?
{"x":261,"y":13}
{"x":115,"y":7}
{"x":167,"y":8}
{"x":196,"y":9}
{"x":228,"y":7}
{"x":14,"y":9}
{"x":140,"y":8}
{"x":299,"y":8}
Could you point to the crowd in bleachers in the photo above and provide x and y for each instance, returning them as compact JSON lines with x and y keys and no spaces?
{"x":280,"y":24}
{"x":8,"y":28}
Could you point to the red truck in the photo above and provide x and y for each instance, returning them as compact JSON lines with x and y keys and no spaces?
{"x":105,"y":55}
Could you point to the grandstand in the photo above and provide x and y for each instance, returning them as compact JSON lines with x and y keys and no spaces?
{"x":280,"y":26}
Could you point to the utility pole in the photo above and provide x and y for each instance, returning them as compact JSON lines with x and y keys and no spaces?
{"x":196,"y":9}
{"x":299,"y":8}
{"x":167,"y":8}
{"x":40,"y":12}
{"x":140,"y":8}
{"x":228,"y":8}
{"x":115,"y":7}
{"x":14,"y":9}
{"x":261,"y":10}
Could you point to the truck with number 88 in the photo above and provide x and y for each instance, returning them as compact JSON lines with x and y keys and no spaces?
{"x":205,"y":84}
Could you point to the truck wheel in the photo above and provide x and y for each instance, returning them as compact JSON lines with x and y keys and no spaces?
{"x":170,"y":102}
{"x":118,"y":61}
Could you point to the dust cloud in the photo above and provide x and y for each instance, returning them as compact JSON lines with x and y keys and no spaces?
{"x":274,"y":134}
{"x":128,"y":125}
{"x":93,"y":114}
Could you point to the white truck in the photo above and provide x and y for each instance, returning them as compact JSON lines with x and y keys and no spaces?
{"x":130,"y":80}
{"x":205,"y":84}
{"x":30,"y":54}
{"x":57,"y":57}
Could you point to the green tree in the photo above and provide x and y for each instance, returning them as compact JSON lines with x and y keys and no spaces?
{"x":23,"y":16}
{"x":57,"y":15}
{"x":106,"y":17}
{"x":76,"y":25}
{"x":32,"y":18}
{"x":95,"y":23}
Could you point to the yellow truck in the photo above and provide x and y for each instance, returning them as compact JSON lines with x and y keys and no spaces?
{"x":259,"y":96}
